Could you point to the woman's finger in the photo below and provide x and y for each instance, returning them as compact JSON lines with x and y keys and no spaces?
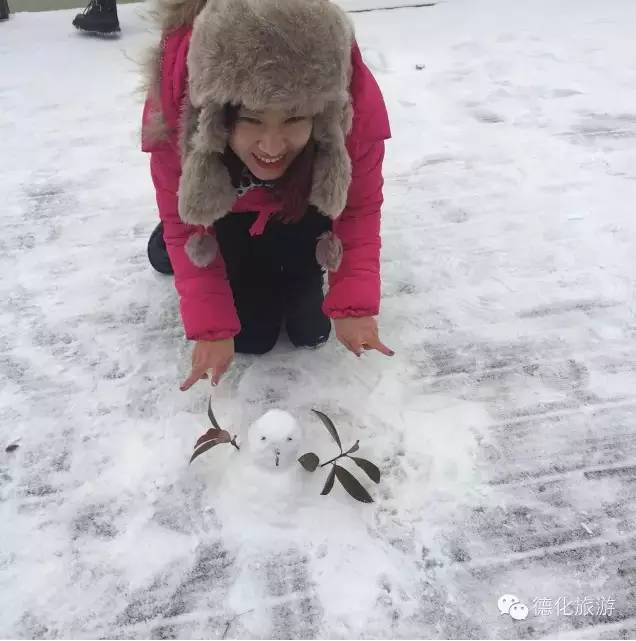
{"x":378,"y":345}
{"x":349,"y":345}
{"x":195,"y":375}
{"x":356,"y":347}
{"x":215,"y":374}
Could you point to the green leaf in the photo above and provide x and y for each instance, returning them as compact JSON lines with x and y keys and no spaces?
{"x":330,"y":426}
{"x":329,"y":482}
{"x":372,"y":470}
{"x":309,"y":461}
{"x":211,"y":415}
{"x":354,"y":448}
{"x":352,"y":485}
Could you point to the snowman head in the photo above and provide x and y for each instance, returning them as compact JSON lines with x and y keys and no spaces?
{"x":275,"y":440}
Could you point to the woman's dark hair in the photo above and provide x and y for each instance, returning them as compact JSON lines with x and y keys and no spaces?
{"x":293,"y":188}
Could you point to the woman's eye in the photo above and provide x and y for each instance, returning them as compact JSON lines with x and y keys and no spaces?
{"x":263,"y":438}
{"x":295,"y":119}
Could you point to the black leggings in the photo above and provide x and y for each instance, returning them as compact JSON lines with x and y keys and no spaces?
{"x":275,"y":277}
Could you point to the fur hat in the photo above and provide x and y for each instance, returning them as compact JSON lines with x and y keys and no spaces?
{"x":285,"y":54}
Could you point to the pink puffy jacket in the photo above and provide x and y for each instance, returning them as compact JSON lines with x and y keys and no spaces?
{"x":207,"y":306}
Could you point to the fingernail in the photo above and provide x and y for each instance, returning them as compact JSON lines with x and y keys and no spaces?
{"x":392,"y":353}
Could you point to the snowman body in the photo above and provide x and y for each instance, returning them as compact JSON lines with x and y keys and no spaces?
{"x":267,"y":479}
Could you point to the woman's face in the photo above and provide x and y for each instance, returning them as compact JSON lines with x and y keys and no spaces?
{"x":268,"y":141}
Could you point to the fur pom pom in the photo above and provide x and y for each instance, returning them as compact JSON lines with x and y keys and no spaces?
{"x":329,"y":251}
{"x":201,"y":249}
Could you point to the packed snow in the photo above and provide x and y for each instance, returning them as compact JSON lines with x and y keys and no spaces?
{"x":504,"y":427}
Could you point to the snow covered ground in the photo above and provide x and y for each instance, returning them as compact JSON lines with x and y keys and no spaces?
{"x":505,"y":426}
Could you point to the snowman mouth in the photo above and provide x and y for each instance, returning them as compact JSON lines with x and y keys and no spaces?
{"x":277,"y":452}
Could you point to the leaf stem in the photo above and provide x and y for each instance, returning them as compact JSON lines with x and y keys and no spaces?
{"x":342,"y":454}
{"x":333,"y":460}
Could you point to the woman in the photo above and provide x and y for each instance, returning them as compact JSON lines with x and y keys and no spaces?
{"x":266,"y":133}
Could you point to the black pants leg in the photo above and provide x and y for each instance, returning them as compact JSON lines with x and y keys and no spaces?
{"x":305,"y":322}
{"x":254,"y":275}
{"x":273,"y":277}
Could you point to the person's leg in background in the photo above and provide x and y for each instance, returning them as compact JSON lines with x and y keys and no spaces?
{"x":100,"y":16}
{"x":4,"y":9}
{"x":302,"y":279}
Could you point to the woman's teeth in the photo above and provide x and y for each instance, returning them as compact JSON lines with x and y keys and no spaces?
{"x":269,"y":161}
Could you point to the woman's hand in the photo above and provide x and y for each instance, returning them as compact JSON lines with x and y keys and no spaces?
{"x":210,"y":355}
{"x":358,"y":334}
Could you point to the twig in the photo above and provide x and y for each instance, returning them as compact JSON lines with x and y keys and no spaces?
{"x":353,"y":448}
{"x":402,"y":6}
{"x":229,"y":623}
{"x":129,"y":58}
{"x":333,"y":460}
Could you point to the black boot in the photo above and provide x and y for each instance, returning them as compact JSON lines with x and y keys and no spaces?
{"x":100,"y":16}
{"x":4,"y":9}
{"x":157,"y":252}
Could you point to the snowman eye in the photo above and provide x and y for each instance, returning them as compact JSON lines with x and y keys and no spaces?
{"x":289,"y":438}
{"x":263,"y":438}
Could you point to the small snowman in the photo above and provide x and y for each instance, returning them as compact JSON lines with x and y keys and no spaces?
{"x":267,"y":477}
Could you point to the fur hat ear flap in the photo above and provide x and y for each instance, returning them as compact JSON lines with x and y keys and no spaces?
{"x":332,"y":165}
{"x":205,"y":188}
{"x":332,"y":176}
{"x":211,"y":133}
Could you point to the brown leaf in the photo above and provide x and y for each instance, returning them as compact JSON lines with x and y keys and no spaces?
{"x":329,"y":482}
{"x":352,"y":485}
{"x":204,"y":447}
{"x":221,"y":435}
{"x":309,"y":461}
{"x":11,"y":448}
